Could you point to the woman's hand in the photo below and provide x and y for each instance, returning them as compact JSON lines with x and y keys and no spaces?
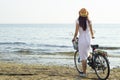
{"x":93,"y":37}
{"x":73,"y":39}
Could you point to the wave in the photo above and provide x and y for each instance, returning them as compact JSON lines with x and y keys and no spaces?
{"x":24,"y":51}
{"x":11,"y":43}
{"x":58,"y":46}
{"x":49,"y":45}
{"x":109,"y":48}
{"x":24,"y":47}
{"x":33,"y":51}
{"x":34,"y":44}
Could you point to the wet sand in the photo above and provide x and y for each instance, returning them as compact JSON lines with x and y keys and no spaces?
{"x":15,"y":71}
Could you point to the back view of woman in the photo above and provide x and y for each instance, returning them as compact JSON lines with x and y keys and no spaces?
{"x":84,"y":27}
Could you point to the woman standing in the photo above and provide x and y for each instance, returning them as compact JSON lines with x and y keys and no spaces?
{"x":84,"y":27}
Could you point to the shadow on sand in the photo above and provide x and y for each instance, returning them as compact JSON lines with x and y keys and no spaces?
{"x":13,"y":74}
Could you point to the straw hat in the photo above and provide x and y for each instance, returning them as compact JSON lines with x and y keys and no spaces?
{"x":83,"y":12}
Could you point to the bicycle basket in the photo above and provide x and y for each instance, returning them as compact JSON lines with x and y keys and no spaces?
{"x":75,"y":44}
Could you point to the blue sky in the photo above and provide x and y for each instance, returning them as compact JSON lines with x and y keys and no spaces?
{"x":57,"y":11}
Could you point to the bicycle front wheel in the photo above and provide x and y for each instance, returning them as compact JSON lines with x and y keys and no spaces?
{"x":77,"y":62}
{"x":102,"y":67}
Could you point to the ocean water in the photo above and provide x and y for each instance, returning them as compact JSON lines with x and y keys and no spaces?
{"x":26,"y":43}
{"x":51,"y":38}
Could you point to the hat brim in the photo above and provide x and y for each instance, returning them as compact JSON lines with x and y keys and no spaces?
{"x":84,"y":14}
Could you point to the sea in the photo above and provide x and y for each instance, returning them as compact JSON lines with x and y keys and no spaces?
{"x":40,"y":39}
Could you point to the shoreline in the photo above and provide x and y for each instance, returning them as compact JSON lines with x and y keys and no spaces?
{"x":15,"y":71}
{"x":59,"y":58}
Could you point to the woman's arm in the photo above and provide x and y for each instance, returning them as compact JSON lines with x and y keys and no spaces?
{"x":76,"y":31}
{"x":91,"y":30}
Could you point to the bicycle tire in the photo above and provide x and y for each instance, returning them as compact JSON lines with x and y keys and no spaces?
{"x":101,"y":64}
{"x":78,"y":64}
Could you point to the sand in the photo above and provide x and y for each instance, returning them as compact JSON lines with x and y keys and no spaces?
{"x":15,"y":71}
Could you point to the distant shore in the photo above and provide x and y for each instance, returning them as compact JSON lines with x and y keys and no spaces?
{"x":15,"y":71}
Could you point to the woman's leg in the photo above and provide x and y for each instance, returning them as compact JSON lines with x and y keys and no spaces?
{"x":84,"y":65}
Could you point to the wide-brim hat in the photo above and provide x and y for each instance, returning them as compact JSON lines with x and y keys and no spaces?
{"x":83,"y":12}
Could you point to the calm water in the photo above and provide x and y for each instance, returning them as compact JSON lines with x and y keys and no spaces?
{"x":50,"y":38}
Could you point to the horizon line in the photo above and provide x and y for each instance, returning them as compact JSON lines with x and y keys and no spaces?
{"x":55,"y":23}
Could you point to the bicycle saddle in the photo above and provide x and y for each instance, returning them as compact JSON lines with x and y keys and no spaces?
{"x":94,"y":46}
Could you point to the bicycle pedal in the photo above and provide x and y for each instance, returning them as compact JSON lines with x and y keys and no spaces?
{"x":89,"y":63}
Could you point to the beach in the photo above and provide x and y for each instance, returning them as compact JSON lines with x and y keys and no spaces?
{"x":15,"y":71}
{"x":29,"y":70}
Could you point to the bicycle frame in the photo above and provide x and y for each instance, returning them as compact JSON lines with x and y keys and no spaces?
{"x":93,"y":56}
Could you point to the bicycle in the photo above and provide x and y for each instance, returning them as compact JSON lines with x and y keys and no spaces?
{"x":98,"y":62}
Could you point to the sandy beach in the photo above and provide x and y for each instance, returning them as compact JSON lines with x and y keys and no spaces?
{"x":15,"y":71}
{"x":23,"y":66}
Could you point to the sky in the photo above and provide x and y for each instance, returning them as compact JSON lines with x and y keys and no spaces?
{"x":57,"y":11}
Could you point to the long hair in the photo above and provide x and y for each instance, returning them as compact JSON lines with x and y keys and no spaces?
{"x":82,"y":22}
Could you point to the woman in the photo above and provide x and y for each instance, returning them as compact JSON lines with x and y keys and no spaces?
{"x":84,"y":27}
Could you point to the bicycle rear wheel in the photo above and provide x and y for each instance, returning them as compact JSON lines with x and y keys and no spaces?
{"x":77,"y":62}
{"x":102,"y":67}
